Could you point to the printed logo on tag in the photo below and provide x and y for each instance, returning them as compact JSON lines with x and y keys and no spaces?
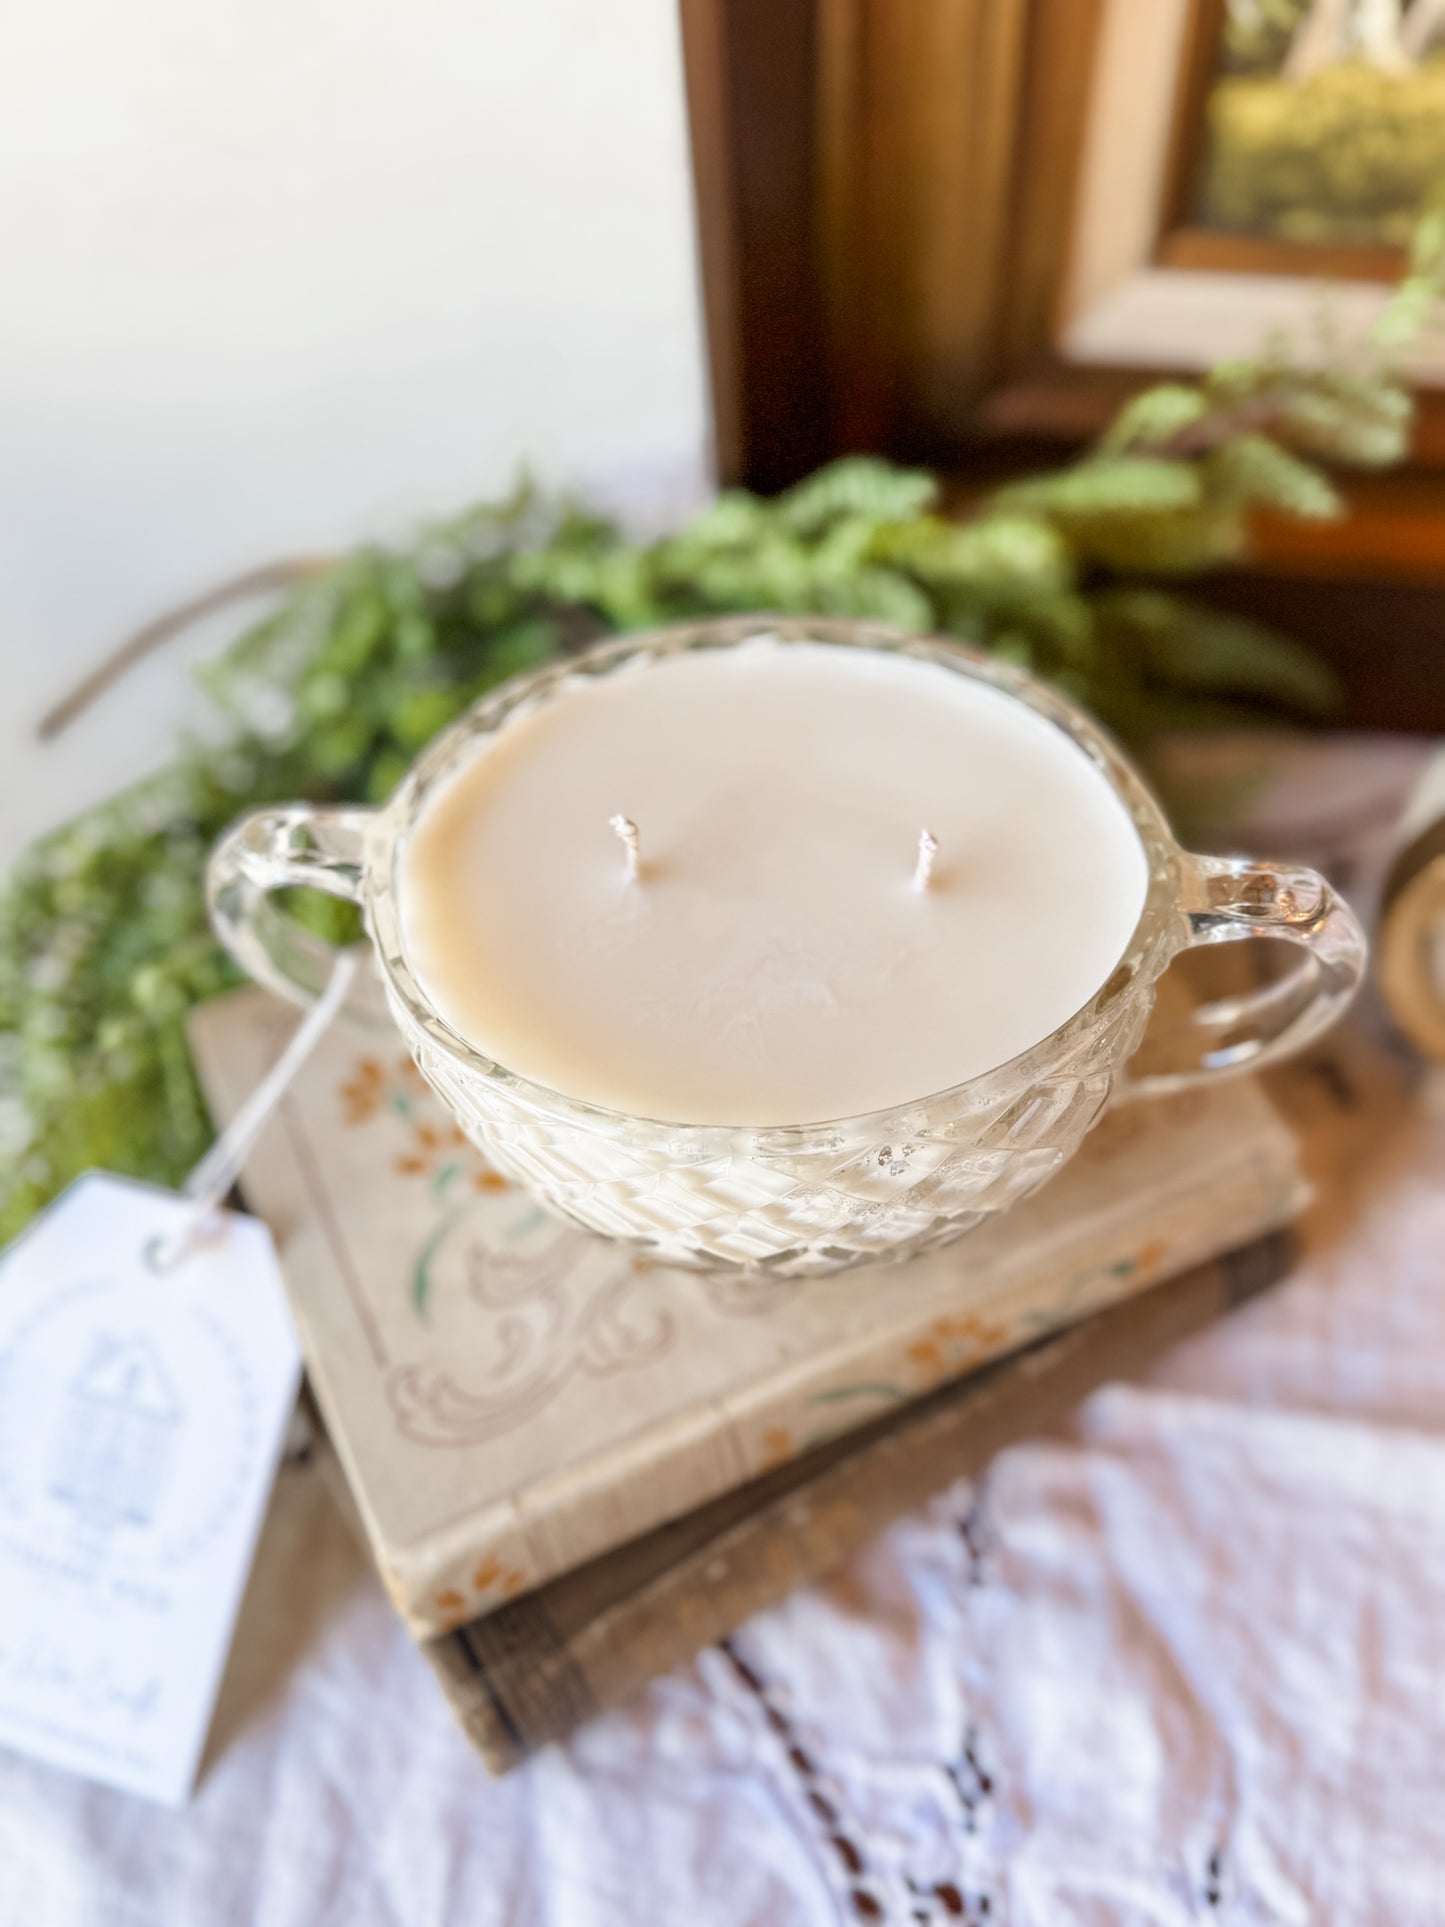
{"x":141,"y":1417}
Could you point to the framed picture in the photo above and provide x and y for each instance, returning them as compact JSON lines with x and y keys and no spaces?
{"x":1237,"y":155}
{"x":1308,"y":136}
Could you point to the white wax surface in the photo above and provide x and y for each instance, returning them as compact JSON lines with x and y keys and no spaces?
{"x":773,"y":964}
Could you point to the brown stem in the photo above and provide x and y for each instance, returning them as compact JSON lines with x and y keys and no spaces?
{"x":282,"y":574}
{"x":1220,"y":426}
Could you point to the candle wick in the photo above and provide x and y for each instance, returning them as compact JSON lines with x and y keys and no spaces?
{"x":927,"y":851}
{"x":625,"y":830}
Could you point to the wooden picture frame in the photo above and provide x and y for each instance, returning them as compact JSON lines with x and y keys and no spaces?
{"x":1147,"y":288}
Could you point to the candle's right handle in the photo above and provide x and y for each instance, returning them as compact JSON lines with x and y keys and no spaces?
{"x":1228,"y":899}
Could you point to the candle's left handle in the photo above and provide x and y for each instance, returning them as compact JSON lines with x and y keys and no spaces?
{"x":295,"y":845}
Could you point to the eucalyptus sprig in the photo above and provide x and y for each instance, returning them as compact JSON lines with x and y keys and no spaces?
{"x":104,"y":945}
{"x":1171,"y":486}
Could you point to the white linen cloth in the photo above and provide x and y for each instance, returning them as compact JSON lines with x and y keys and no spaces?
{"x":1183,"y":1663}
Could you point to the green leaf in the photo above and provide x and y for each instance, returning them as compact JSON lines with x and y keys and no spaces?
{"x":1230,"y":382}
{"x":1361,"y":422}
{"x":1413,"y":305}
{"x":1155,"y":416}
{"x":1108,"y":485}
{"x":734,"y":521}
{"x":1256,"y":472}
{"x":358,"y":632}
{"x":420,"y":715}
{"x":1002,"y":558}
{"x":858,"y":485}
{"x":1181,"y":542}
{"x":878,"y":595}
{"x":1189,"y":647}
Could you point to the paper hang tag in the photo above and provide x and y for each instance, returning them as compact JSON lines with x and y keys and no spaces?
{"x":142,"y":1413}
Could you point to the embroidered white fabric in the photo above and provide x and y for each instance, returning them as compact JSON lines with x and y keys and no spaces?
{"x":1183,"y":1662}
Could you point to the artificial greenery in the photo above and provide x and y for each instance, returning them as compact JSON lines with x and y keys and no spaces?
{"x":104,"y":944}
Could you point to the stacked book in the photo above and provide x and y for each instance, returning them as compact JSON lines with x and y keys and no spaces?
{"x":573,"y":1469}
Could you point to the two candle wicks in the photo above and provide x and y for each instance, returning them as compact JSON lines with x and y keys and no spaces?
{"x":625,"y":830}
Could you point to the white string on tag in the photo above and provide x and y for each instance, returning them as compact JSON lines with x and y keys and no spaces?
{"x":208,"y":1184}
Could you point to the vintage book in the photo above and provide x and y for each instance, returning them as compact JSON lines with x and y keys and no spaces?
{"x":510,"y":1397}
{"x":539,"y":1666}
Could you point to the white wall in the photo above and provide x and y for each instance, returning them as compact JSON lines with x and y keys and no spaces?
{"x":276,"y":273}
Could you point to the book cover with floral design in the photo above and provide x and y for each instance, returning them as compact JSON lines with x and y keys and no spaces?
{"x":510,"y":1396}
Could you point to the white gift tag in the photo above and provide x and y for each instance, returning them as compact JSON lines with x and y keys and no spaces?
{"x":142,"y":1413}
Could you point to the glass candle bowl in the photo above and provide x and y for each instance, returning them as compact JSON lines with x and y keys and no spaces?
{"x":811,"y":1198}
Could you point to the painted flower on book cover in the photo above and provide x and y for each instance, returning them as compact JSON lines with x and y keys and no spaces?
{"x":559,"y":1303}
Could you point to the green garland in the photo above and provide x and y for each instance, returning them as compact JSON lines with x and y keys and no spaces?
{"x":104,"y":945}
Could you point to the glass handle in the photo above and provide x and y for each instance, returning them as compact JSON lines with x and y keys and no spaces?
{"x":1226,"y":900}
{"x":318,"y":849}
